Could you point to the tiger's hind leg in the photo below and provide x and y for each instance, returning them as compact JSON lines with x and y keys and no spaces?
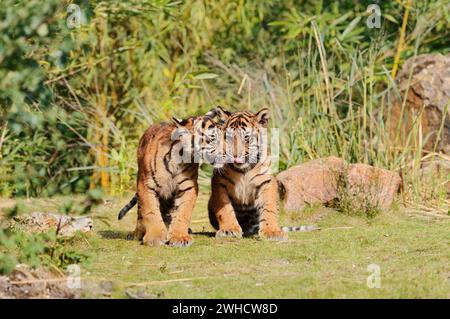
{"x":151,"y":225}
{"x":178,"y":235}
{"x":139,"y":231}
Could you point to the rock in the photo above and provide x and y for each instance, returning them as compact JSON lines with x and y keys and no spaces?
{"x":96,"y":289}
{"x":332,"y":180}
{"x":4,"y":287}
{"x":139,"y":293}
{"x":310,"y":183}
{"x":25,"y":282}
{"x":429,"y":90}
{"x":369,"y":187}
{"x":66,"y":225}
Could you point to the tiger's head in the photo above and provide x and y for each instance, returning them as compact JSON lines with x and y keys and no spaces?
{"x":244,"y":136}
{"x":200,"y":137}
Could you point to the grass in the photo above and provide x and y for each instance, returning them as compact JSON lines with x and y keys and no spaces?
{"x":412,"y":250}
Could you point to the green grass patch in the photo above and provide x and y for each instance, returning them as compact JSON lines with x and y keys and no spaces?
{"x":411,"y":251}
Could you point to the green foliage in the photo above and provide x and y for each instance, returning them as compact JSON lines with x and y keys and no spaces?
{"x":76,"y":100}
{"x":16,"y":210}
{"x":27,"y":26}
{"x":92,"y":199}
{"x":19,"y":245}
{"x":34,"y":160}
{"x":35,"y":148}
{"x":36,"y":250}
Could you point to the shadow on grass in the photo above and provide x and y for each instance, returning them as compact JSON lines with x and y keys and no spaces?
{"x":204,"y":233}
{"x":117,"y":234}
{"x":114,"y":234}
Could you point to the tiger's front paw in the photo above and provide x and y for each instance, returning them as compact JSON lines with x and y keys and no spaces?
{"x":235,"y":232}
{"x":273,"y":234}
{"x":180,"y":240}
{"x":153,"y":241}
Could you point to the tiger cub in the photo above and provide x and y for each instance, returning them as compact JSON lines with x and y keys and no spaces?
{"x":167,"y":178}
{"x":244,"y":193}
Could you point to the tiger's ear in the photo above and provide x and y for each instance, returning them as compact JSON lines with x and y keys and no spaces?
{"x":178,"y":122}
{"x":220,"y":113}
{"x":263,"y":117}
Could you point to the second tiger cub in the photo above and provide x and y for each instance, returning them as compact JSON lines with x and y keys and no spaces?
{"x":167,"y":178}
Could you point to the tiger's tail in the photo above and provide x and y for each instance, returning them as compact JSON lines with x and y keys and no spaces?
{"x":299,"y":228}
{"x":128,"y":206}
{"x":282,"y":193}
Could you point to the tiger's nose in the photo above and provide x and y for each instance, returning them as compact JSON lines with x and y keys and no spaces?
{"x":238,"y":160}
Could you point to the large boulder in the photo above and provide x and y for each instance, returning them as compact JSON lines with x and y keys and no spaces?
{"x":428,"y":92}
{"x":310,"y":183}
{"x":332,"y":180}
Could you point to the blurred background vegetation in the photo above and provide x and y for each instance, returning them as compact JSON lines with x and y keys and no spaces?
{"x":75,"y":100}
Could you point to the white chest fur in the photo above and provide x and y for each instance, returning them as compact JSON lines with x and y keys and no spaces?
{"x":244,"y":189}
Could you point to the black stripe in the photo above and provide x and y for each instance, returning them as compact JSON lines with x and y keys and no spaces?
{"x":257,"y":175}
{"x":186,"y":189}
{"x":182,"y":191}
{"x":154,"y":158}
{"x":166,"y":165}
{"x":153,"y":190}
{"x":258,"y":188}
{"x":268,"y":210}
{"x":153,"y":171}
{"x":128,"y":206}
{"x":167,"y":161}
{"x":184,"y":180}
{"x":154,"y":180}
{"x":240,"y":120}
